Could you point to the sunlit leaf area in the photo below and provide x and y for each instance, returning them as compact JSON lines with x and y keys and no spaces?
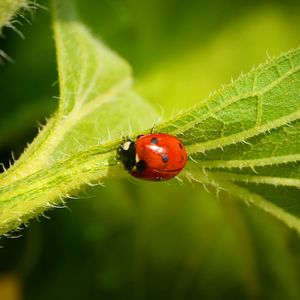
{"x":79,"y":76}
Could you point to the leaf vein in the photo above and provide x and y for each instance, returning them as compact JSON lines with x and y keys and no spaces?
{"x":242,"y":136}
{"x":182,"y":129}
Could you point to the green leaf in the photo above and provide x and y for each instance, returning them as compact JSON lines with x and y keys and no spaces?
{"x":245,"y":138}
{"x":8,"y":9}
{"x":96,"y":105}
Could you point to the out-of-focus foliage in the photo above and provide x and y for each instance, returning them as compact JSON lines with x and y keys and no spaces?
{"x":146,"y":241}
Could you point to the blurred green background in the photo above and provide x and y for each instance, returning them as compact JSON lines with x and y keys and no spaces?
{"x":135,"y":240}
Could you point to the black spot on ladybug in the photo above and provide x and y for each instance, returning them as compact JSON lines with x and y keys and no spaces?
{"x":141,"y":166}
{"x":182,"y":158}
{"x":180,"y":145}
{"x":165,"y":158}
{"x":154,"y":141}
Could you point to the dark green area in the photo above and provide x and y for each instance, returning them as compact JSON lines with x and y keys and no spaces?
{"x":134,"y":240}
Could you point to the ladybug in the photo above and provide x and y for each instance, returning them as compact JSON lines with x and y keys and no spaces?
{"x":154,"y":156}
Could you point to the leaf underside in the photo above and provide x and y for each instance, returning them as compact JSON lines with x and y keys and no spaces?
{"x":243,"y":139}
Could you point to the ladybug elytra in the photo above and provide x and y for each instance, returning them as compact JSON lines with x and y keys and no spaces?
{"x":154,"y":157}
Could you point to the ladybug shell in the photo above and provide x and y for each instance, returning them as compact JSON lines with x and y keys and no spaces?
{"x":158,"y":157}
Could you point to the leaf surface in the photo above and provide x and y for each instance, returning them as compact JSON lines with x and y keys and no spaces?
{"x":97,"y":105}
{"x":245,"y":137}
{"x":8,"y":8}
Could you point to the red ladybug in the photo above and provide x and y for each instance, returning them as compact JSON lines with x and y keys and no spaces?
{"x":153,"y":156}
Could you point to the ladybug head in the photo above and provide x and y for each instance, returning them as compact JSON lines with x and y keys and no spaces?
{"x":126,"y":154}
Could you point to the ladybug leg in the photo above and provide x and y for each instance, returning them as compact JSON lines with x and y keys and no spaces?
{"x":152,"y":129}
{"x":140,"y":166}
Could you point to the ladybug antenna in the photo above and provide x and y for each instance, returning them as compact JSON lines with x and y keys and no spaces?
{"x":152,"y":129}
